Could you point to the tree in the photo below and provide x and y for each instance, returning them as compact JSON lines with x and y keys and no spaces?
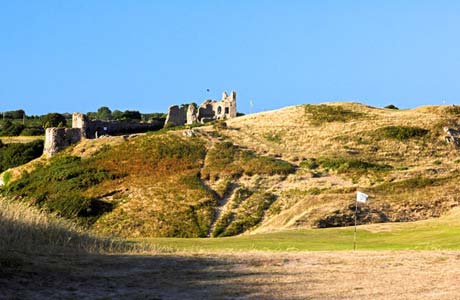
{"x":117,"y":114}
{"x":132,"y":115}
{"x":8,"y":128}
{"x":104,"y":113}
{"x":53,"y":120}
{"x":391,"y":106}
{"x":14,"y":114}
{"x":91,"y":115}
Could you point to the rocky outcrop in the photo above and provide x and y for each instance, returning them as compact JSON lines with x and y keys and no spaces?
{"x":452,"y":136}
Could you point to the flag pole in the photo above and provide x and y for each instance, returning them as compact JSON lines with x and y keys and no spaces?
{"x":356,"y":212}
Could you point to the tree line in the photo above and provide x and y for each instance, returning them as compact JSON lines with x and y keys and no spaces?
{"x":17,"y":122}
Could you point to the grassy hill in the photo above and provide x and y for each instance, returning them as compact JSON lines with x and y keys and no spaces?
{"x":294,"y":168}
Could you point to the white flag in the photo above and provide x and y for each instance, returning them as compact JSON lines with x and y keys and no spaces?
{"x":361,"y":197}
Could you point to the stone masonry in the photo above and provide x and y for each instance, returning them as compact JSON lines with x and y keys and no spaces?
{"x":96,"y":128}
{"x":56,"y":139}
{"x":209,"y":110}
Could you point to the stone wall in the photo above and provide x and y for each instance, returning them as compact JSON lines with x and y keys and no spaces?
{"x":176,"y":115}
{"x":95,"y":128}
{"x":58,"y":139}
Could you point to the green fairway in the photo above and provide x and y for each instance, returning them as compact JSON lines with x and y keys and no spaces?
{"x":443,"y":233}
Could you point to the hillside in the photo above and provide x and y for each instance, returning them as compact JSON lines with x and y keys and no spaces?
{"x":298,"y":167}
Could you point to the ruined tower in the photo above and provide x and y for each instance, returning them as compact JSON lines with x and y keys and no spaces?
{"x":209,"y":110}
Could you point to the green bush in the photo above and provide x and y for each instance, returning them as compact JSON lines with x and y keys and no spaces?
{"x":222,"y":224}
{"x":414,"y":183}
{"x":401,"y":133}
{"x":13,"y":155}
{"x":241,"y":194}
{"x":226,"y":160}
{"x":273,"y":137}
{"x":8,"y":128}
{"x":343,"y":164}
{"x":54,"y":120}
{"x":32,"y":131}
{"x":249,"y":214}
{"x":7,"y":178}
{"x":391,"y":106}
{"x":309,"y":163}
{"x":59,"y":187}
{"x":220,"y":125}
{"x":319,"y":114}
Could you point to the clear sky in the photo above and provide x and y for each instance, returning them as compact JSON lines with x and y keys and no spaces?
{"x":65,"y":56}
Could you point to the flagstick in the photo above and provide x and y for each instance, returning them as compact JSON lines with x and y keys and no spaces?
{"x":354,"y":238}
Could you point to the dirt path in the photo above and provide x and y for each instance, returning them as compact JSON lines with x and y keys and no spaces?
{"x":256,"y":275}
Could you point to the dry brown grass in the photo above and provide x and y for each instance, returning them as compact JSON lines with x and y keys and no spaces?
{"x":26,"y":230}
{"x":299,"y":138}
{"x":302,"y":139}
{"x":20,"y":139}
{"x":255,"y":275}
{"x":290,"y":135}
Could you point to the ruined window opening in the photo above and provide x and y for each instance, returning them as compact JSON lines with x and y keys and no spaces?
{"x":219,"y":110}
{"x":227,"y":110}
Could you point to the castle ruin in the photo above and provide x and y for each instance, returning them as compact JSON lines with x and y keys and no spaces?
{"x":209,"y":110}
{"x":57,"y":139}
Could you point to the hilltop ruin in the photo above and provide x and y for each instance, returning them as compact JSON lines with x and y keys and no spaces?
{"x":57,"y":139}
{"x":209,"y":110}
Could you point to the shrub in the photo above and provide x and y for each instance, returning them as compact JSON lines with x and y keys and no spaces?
{"x":391,"y":106}
{"x":249,"y":214}
{"x":264,"y":165}
{"x":7,"y":178}
{"x":401,"y":133}
{"x":241,"y":194}
{"x":222,"y":224}
{"x":273,"y":137}
{"x":13,"y":155}
{"x":59,"y":186}
{"x":220,"y":125}
{"x":8,"y":128}
{"x":309,"y":163}
{"x":408,"y":184}
{"x":32,"y":131}
{"x":54,"y":120}
{"x":343,"y":164}
{"x":319,"y":114}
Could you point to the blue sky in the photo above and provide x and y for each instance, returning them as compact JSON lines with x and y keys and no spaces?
{"x":67,"y":56}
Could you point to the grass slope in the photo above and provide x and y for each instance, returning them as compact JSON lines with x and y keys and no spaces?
{"x":150,"y":185}
{"x":295,"y":168}
{"x":399,"y":157}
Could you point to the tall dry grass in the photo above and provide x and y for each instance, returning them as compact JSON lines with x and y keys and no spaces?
{"x":25,"y":230}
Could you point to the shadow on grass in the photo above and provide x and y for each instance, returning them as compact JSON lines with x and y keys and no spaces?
{"x":151,"y":277}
